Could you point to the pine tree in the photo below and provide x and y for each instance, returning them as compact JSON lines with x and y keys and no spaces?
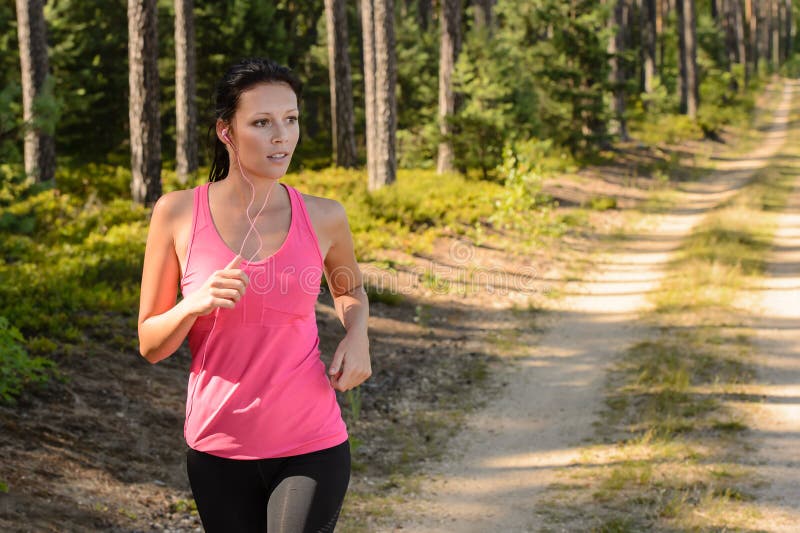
{"x":185,"y":92}
{"x":145,"y":127}
{"x":341,"y":88}
{"x":40,"y":154}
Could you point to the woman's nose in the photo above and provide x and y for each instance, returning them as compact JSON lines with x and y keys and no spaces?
{"x":281,"y":133}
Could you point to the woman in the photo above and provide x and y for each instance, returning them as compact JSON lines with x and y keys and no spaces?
{"x":268,"y":449}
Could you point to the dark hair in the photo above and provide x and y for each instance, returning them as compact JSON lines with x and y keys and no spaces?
{"x":237,"y":79}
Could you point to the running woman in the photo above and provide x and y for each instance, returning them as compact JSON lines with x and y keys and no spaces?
{"x":268,"y":449}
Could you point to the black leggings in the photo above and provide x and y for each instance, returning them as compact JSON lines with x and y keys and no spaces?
{"x":297,"y":494}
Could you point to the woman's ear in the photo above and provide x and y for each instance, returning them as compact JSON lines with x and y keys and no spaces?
{"x":223,"y":132}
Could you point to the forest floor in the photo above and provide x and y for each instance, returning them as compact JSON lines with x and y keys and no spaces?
{"x":488,"y":370}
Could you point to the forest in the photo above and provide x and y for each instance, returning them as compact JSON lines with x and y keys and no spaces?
{"x":426,"y":119}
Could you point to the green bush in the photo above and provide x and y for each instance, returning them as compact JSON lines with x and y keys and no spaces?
{"x":523,"y":206}
{"x":17,"y":368}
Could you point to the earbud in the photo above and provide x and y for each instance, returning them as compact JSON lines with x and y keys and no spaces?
{"x":227,"y":138}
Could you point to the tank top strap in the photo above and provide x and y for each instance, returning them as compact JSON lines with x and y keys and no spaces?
{"x":304,"y":221}
{"x":201,"y":208}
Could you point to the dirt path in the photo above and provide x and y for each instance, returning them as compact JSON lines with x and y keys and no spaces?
{"x":512,"y":449}
{"x":772,"y":404}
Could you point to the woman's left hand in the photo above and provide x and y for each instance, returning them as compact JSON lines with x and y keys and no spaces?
{"x":351,"y":365}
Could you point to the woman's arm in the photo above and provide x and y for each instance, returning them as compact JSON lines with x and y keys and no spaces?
{"x":163,"y":324}
{"x":351,"y":362}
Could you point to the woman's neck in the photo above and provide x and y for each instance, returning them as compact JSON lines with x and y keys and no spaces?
{"x":238,"y":190}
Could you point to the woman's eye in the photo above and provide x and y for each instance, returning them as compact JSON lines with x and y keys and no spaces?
{"x":262,"y":122}
{"x":293,"y":119}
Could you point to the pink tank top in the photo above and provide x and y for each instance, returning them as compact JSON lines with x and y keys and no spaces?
{"x":262,"y":390}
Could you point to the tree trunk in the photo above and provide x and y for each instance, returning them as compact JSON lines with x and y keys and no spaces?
{"x":741,"y":42}
{"x":424,"y":9}
{"x":380,"y":78}
{"x":788,"y":28}
{"x":764,"y":32}
{"x":776,"y":32}
{"x":687,"y":48}
{"x":616,"y":47}
{"x":450,"y":21}
{"x":185,"y":91}
{"x":145,"y":127}
{"x":370,"y":101}
{"x":344,"y":141}
{"x":648,"y":37}
{"x":482,"y":13}
{"x":40,"y":150}
{"x":385,"y":85}
{"x":660,"y":18}
{"x":751,"y":12}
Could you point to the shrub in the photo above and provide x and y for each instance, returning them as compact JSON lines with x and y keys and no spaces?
{"x":17,"y":368}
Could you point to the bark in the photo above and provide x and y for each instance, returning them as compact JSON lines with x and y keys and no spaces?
{"x":370,"y":102}
{"x":385,"y":84}
{"x":751,"y":12}
{"x":482,"y":14}
{"x":688,"y":57}
{"x":145,"y":128}
{"x":448,"y":54}
{"x":185,"y":91}
{"x":776,"y":32}
{"x":764,"y":31}
{"x":40,"y":150}
{"x":660,"y":17}
{"x":616,"y":46}
{"x":424,"y":9}
{"x":648,"y":38}
{"x":341,"y":87}
{"x":741,"y":42}
{"x":380,"y":76}
{"x":789,"y":38}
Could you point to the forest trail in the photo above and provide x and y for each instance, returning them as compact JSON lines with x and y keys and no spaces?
{"x":508,"y":452}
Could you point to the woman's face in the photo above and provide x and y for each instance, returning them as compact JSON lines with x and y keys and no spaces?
{"x":265,"y":130}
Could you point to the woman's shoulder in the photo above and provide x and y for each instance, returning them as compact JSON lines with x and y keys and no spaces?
{"x":326,"y":210}
{"x":174,"y":204}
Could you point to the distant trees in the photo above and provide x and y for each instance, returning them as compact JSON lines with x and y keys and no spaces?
{"x":40,"y":152}
{"x":145,"y":126}
{"x":473,"y":76}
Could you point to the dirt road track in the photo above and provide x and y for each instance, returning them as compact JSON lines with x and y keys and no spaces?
{"x":511,"y":450}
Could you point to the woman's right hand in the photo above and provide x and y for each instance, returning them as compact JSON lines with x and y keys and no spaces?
{"x":223,"y":288}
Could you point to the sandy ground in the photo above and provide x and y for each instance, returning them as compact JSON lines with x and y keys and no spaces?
{"x":511,"y":450}
{"x":771,"y":404}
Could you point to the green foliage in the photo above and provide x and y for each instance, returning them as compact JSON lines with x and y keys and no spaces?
{"x":417,"y":93}
{"x":488,"y":113}
{"x":408,"y":214}
{"x":523,"y":203}
{"x":17,"y":369}
{"x":88,"y":61}
{"x":63,"y":255}
{"x":602,"y":203}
